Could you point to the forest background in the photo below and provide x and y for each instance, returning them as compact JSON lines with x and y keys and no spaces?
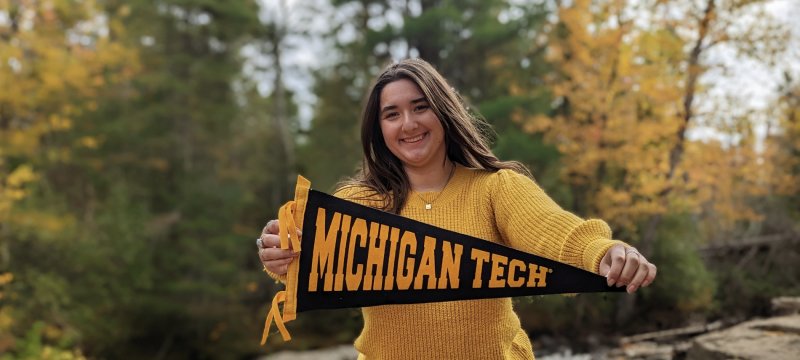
{"x":143,"y":145}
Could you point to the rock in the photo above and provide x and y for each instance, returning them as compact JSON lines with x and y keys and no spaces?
{"x":776,"y":338}
{"x":643,"y":350}
{"x":786,"y":305}
{"x":649,"y":350}
{"x":564,"y":355}
{"x":342,"y":352}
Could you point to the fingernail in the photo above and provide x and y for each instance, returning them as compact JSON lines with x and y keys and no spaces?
{"x":620,"y":285}
{"x":631,"y":289}
{"x":611,"y":281}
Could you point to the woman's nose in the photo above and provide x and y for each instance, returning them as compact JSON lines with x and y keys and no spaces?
{"x":409,"y":122}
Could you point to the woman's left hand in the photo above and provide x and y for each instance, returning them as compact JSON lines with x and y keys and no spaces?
{"x":624,"y":265}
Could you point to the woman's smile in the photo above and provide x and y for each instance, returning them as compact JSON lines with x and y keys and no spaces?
{"x":415,"y":139}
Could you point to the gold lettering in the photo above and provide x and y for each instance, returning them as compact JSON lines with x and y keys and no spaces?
{"x":359,"y":231}
{"x":513,"y":267}
{"x":480,"y":257}
{"x":375,"y":256}
{"x":537,"y":275}
{"x":405,"y":272}
{"x":390,"y":271}
{"x":324,"y":251}
{"x":496,"y":279}
{"x":427,"y":266}
{"x":451,"y":263}
{"x":339,"y":277}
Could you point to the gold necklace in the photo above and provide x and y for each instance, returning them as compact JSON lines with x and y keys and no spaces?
{"x":429,"y":204}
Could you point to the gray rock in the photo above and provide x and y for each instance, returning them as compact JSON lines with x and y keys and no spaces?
{"x":786,"y":305}
{"x":776,"y":338}
{"x":342,"y":352}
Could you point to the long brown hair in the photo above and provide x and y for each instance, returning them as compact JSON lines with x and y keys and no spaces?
{"x":465,"y":135}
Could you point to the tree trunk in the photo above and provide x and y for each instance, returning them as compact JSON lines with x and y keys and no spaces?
{"x":626,"y":305}
{"x":676,"y":152}
{"x":285,"y":164}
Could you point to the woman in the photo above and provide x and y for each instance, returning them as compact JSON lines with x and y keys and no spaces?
{"x":425,"y":158}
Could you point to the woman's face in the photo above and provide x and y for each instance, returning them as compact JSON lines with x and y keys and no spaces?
{"x":410,"y":128}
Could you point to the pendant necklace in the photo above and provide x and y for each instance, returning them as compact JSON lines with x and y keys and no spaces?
{"x":429,"y":204}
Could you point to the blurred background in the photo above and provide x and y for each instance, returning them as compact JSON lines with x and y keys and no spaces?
{"x":144,"y":144}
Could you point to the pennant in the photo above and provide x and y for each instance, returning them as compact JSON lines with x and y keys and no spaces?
{"x":356,"y":256}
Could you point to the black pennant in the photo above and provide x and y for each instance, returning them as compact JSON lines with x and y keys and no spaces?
{"x":356,"y":256}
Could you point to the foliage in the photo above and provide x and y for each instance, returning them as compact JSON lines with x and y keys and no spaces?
{"x":31,"y":347}
{"x":783,"y":146}
{"x":624,"y":100}
{"x":117,"y":217}
{"x":749,"y":278}
{"x":139,"y":159}
{"x":625,"y":94}
{"x":689,"y":287}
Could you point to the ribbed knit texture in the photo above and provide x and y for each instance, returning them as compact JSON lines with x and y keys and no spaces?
{"x":503,"y":207}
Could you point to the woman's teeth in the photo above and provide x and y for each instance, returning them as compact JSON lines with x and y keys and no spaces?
{"x":414,"y":139}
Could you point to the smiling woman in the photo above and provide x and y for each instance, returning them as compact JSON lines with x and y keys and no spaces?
{"x":426,"y":159}
{"x":393,"y":171}
{"x":414,"y":134}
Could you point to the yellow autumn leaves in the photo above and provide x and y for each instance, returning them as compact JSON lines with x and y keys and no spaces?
{"x":55,"y":60}
{"x":626,"y":91}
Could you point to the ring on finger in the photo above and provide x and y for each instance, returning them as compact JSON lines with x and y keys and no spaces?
{"x":631,"y":251}
{"x":259,"y":243}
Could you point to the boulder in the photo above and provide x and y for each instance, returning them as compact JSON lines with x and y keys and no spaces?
{"x":786,"y":305}
{"x":776,"y":338}
{"x":342,"y":352}
{"x":644,"y":350}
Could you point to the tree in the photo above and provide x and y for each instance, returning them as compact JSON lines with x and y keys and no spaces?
{"x":124,"y":240}
{"x":61,"y":60}
{"x":617,"y":91}
{"x":481,"y":47}
{"x":626,"y":95}
{"x":332,"y":150}
{"x":625,"y":90}
{"x":170,"y":164}
{"x":783,"y":146}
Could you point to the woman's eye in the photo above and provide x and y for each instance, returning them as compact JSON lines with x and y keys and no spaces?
{"x":390,"y":115}
{"x":421,"y":107}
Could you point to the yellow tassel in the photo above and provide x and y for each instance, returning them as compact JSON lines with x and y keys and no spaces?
{"x":275,"y":314}
{"x":287,"y":225}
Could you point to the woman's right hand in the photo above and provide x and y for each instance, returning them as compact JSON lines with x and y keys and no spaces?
{"x":275,"y":259}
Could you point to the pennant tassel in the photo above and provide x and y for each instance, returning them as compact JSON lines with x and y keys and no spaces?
{"x":286,"y":225}
{"x":275,"y":314}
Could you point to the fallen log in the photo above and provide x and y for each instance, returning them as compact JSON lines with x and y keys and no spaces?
{"x":718,"y":249}
{"x":672,"y":333}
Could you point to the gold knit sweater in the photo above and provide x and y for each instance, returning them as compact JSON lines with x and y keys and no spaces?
{"x":503,"y":207}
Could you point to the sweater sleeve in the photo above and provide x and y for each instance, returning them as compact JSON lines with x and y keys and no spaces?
{"x":531,"y":221}
{"x":278,"y":278}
